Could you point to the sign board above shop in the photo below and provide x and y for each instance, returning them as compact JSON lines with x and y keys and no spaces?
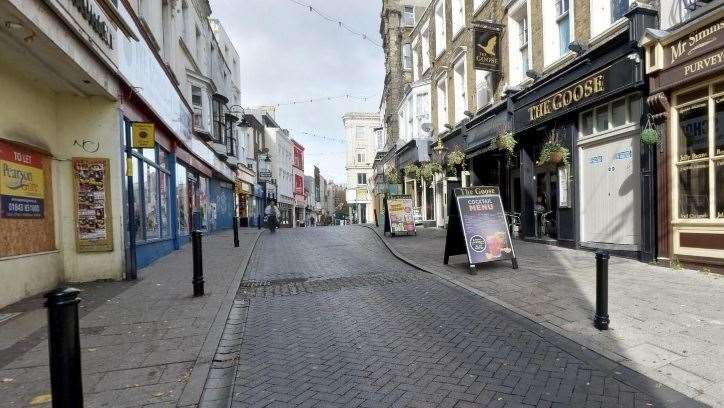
{"x":570,"y":96}
{"x":689,"y":55}
{"x":486,"y":46}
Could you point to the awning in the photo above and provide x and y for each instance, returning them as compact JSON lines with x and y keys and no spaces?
{"x":486,"y":126}
{"x":414,"y":151}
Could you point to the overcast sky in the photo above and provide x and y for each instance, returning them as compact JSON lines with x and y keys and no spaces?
{"x":288,"y":53}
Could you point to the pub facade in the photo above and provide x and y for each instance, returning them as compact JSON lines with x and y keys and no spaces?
{"x":685,"y":67}
{"x":583,"y":177}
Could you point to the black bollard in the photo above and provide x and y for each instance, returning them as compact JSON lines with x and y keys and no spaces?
{"x":236,"y":232}
{"x":198,"y":279}
{"x":600,"y":321}
{"x":64,"y":347}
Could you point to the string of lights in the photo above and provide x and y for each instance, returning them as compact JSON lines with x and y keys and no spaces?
{"x":337,"y":21}
{"x":327,"y":138}
{"x":322,"y":99}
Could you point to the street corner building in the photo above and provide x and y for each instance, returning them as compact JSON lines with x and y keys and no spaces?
{"x":118,"y":136}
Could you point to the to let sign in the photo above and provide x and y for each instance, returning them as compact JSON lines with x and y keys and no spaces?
{"x":486,"y":43}
{"x":22,"y":183}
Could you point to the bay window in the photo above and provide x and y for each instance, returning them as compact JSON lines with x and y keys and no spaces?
{"x":699,"y":152}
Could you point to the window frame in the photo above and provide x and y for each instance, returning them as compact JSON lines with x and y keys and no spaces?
{"x":440,"y":29}
{"x":140,"y":201}
{"x":712,"y":158}
{"x":463,"y":96}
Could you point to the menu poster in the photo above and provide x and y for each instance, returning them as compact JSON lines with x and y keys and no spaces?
{"x":402,"y":219}
{"x":483,"y":225}
{"x":94,"y":229}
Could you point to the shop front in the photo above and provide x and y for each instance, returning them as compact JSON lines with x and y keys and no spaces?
{"x":686,"y":73}
{"x":416,"y":152}
{"x":490,"y":166}
{"x":585,"y":178}
{"x":60,"y":172}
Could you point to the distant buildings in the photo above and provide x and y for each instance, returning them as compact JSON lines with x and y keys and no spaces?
{"x":362,"y":143}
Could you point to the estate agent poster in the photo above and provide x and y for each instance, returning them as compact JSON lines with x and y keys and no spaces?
{"x":22,"y":183}
{"x":93,"y":205}
{"x":483,"y":224}
{"x":399,"y":208}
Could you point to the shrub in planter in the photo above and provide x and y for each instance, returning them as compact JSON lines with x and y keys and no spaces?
{"x":392,"y":176}
{"x":554,"y":153}
{"x":429,"y":169}
{"x":412,"y":171}
{"x":649,"y":136}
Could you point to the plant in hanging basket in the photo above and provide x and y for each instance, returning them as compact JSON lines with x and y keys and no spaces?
{"x":392,"y":176}
{"x":455,"y":158}
{"x":412,"y":171}
{"x":649,"y":136}
{"x":554,"y":152}
{"x":429,"y":169}
{"x":506,"y":142}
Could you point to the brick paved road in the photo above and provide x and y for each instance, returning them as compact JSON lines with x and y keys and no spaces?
{"x":331,"y":319}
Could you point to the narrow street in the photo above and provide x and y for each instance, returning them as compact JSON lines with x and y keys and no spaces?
{"x":333,"y":319}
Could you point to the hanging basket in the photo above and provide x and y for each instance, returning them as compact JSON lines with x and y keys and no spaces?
{"x":649,"y":135}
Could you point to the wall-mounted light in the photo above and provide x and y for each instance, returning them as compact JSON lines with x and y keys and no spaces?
{"x":447,"y":126}
{"x":468,"y":114}
{"x":578,"y":47}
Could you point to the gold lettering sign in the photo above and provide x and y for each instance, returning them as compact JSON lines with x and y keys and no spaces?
{"x":695,"y":41}
{"x":582,"y":90}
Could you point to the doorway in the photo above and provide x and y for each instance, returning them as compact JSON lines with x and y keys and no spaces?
{"x":546,"y":202}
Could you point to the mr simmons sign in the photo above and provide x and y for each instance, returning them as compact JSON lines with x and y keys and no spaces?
{"x":486,"y":45}
{"x":697,"y":42}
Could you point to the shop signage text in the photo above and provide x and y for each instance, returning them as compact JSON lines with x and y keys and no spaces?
{"x":572,"y":95}
{"x":697,"y":42}
{"x":94,"y":19}
{"x":486,"y":43}
{"x":22,"y":183}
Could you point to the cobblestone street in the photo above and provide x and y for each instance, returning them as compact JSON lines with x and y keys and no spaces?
{"x":328,"y":317}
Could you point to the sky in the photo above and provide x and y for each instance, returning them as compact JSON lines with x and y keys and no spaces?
{"x":288,"y":53}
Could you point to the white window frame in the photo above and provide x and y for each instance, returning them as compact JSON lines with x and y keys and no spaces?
{"x":408,"y":16}
{"x":425,"y":47}
{"x":458,"y":16}
{"x":440,"y":28}
{"x":407,"y":56}
{"x":553,"y":52}
{"x":519,"y":60}
{"x":601,"y":8}
{"x":443,"y":117}
{"x":483,"y":79}
{"x":460,"y":87}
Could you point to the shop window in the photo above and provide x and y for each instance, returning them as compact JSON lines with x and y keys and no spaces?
{"x":151,"y":194}
{"x":587,"y":123}
{"x":602,"y":118}
{"x":634,"y":111}
{"x":699,"y":153}
{"x":618,"y":112}
{"x":182,"y":199}
{"x":693,"y":134}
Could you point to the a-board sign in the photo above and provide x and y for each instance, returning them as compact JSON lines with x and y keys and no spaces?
{"x":401,"y":215}
{"x":482,"y":224}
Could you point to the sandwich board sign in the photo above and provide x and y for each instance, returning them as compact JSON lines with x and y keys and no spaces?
{"x":477,"y":226}
{"x":399,"y":215}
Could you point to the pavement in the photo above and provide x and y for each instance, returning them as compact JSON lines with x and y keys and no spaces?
{"x":328,"y":317}
{"x":666,"y":323}
{"x":144,"y":343}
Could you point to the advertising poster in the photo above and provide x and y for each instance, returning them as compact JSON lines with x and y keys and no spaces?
{"x":143,"y":135}
{"x":402,"y":219}
{"x":22,"y":183}
{"x":92,"y":198}
{"x":483,"y":223}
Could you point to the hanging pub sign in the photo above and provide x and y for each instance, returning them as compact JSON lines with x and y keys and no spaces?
{"x":22,"y":183}
{"x":143,"y":135}
{"x":486,"y":43}
{"x":399,"y":217}
{"x":479,"y":227}
{"x":91,"y":182}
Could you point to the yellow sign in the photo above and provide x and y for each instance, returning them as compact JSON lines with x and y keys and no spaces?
{"x":142,"y":135}
{"x":19,"y":180}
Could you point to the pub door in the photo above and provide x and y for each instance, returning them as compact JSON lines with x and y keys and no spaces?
{"x":546,"y":202}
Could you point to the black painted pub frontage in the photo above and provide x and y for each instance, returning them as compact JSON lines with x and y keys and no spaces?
{"x":603,"y":195}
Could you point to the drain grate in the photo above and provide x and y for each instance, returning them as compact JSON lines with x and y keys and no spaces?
{"x":297,"y":286}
